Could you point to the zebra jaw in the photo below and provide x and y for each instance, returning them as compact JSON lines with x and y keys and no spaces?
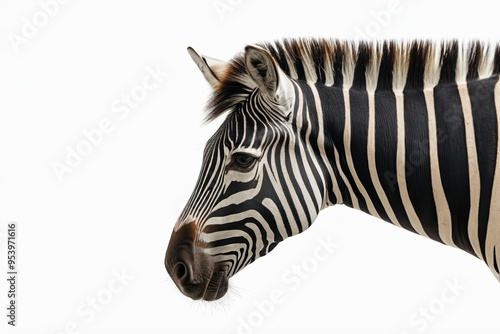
{"x":191,"y":269}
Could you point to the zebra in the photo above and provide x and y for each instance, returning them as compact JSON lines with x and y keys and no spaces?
{"x":406,"y":131}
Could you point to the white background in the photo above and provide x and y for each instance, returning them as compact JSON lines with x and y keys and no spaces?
{"x":114,"y":211}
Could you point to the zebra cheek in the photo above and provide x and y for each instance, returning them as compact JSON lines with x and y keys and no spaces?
{"x":237,"y":176}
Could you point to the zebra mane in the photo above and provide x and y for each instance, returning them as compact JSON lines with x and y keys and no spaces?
{"x":377,"y":65}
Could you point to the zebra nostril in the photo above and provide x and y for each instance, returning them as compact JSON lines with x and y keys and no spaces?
{"x":180,"y":271}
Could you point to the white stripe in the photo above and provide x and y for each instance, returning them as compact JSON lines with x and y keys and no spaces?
{"x":432,"y":66}
{"x":354,"y":199}
{"x":462,"y":63}
{"x":348,"y":65}
{"x":442,"y":208}
{"x":474,"y":180}
{"x":307,"y":62}
{"x":401,"y":166}
{"x":493,"y":233}
{"x":291,"y":65}
{"x":328,"y":68}
{"x":373,"y":68}
{"x":372,"y":166}
{"x":226,"y":234}
{"x":273,"y":208}
{"x":487,"y":62}
{"x":497,"y":275}
{"x":400,"y":74}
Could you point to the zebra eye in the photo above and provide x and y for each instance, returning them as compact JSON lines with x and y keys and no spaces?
{"x":243,"y":160}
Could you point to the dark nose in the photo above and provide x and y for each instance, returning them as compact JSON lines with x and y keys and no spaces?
{"x":179,"y":254}
{"x":178,"y":262}
{"x":182,"y":258}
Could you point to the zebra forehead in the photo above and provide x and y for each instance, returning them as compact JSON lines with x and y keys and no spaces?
{"x":381,"y":65}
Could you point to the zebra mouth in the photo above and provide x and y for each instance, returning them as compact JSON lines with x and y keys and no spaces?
{"x":216,"y":287}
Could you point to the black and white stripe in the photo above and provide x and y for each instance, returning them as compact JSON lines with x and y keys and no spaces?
{"x":405,"y":131}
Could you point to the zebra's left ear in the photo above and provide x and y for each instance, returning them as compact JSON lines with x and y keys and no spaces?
{"x":212,"y":69}
{"x":269,"y":77}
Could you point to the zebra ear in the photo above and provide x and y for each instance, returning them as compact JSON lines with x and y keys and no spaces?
{"x":212,"y":69}
{"x":268,"y":76}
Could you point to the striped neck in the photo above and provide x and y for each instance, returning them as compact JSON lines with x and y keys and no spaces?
{"x":412,"y":157}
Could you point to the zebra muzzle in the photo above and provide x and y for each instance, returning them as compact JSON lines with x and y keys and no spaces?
{"x":191,"y":269}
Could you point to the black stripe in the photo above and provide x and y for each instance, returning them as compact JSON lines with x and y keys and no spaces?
{"x":338,"y":76}
{"x":416,"y":66}
{"x":384,"y":82}
{"x":294,"y":52}
{"x":495,"y":262}
{"x":359,"y":80}
{"x":240,"y":126}
{"x":386,"y":143}
{"x":251,"y":125}
{"x":332,"y":104}
{"x":453,"y":161}
{"x":449,"y":64}
{"x":359,"y":146}
{"x":417,"y":171}
{"x":496,"y":66}
{"x":475,"y":57}
{"x":277,"y":52}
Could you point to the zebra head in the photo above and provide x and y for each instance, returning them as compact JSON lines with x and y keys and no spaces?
{"x":260,"y":181}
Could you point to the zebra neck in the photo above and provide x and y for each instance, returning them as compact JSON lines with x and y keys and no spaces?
{"x":412,"y":158}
